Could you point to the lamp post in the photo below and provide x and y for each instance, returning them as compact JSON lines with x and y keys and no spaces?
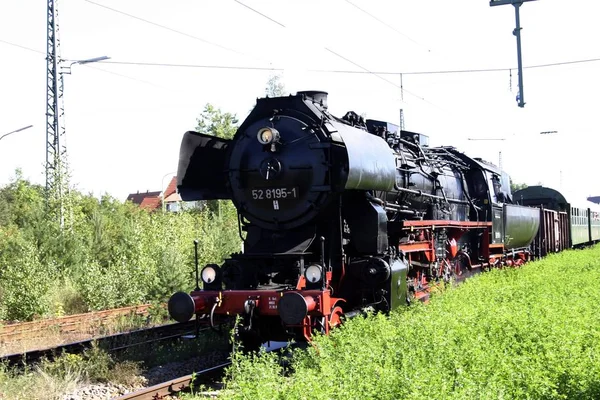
{"x":56,"y":182}
{"x":67,"y":70}
{"x":15,"y":131}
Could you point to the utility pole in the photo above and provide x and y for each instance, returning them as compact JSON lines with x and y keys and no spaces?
{"x":517,"y":32}
{"x":401,"y":119}
{"x":560,"y":180}
{"x":55,"y":112}
{"x":56,"y":151}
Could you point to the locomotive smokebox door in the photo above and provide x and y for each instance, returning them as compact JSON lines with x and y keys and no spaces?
{"x":201,"y":170}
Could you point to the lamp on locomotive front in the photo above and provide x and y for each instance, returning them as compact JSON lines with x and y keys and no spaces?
{"x":209,"y":274}
{"x":268,"y":136}
{"x":211,"y":277}
{"x":313,"y":273}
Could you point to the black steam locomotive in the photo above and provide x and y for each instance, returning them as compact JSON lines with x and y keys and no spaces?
{"x":339,"y":215}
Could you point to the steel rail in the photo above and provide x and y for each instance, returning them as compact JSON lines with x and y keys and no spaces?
{"x":174,"y":330}
{"x":67,"y":322}
{"x":178,"y":385}
{"x":173,"y":386}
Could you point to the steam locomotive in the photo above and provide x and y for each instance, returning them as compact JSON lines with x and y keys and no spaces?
{"x":341,"y":215}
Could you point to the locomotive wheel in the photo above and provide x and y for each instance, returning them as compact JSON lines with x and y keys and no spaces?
{"x":335,"y":319}
{"x":460,"y":267}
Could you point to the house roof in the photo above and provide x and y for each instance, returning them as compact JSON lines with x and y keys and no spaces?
{"x":171,"y":187}
{"x":173,"y":197}
{"x":150,"y":200}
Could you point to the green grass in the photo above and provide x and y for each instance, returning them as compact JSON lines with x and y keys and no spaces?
{"x":528,"y":333}
{"x":53,"y":379}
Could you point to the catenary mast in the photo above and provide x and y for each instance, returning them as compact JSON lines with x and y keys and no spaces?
{"x":55,"y":130}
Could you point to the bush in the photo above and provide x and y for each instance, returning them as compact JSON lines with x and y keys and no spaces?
{"x":109,"y":254}
{"x":24,"y":281}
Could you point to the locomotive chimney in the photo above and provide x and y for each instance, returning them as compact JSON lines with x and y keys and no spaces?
{"x":317,"y":96}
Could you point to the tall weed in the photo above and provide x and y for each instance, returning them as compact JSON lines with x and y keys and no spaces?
{"x":528,"y":333}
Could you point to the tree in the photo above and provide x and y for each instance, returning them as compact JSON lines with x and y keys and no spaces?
{"x":213,"y":121}
{"x":517,"y":186}
{"x":275,"y":88}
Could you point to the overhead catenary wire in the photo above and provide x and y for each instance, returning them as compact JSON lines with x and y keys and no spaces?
{"x":22,"y":47}
{"x":259,"y":13}
{"x":386,"y":24}
{"x":335,"y":71}
{"x":365,"y":71}
{"x":344,"y":58}
{"x":159,"y":64}
{"x":85,"y":65}
{"x":247,"y":68}
{"x":167,"y":28}
{"x":401,"y":87}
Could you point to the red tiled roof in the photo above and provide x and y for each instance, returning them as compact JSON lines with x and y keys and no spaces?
{"x":151,"y":203}
{"x":150,"y":200}
{"x":171,"y":187}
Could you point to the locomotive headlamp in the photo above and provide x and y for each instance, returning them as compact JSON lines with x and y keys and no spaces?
{"x":209,"y":274}
{"x":267,"y":135}
{"x":313,"y":273}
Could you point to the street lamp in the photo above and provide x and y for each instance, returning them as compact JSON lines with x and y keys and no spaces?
{"x":18,"y":130}
{"x":67,"y":70}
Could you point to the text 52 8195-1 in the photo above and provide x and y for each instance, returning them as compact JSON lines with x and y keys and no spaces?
{"x":275,"y":193}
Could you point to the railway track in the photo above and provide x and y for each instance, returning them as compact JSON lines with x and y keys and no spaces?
{"x":178,"y":385}
{"x":68,"y":324}
{"x":113,"y":343}
{"x":183,"y":384}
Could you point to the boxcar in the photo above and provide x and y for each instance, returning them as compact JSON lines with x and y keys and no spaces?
{"x":564,"y":223}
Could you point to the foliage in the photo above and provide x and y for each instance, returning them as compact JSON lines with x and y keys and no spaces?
{"x":53,"y":379}
{"x":213,"y":121}
{"x":108,"y":254}
{"x":521,"y":333}
{"x":113,"y":255}
{"x":35,"y":384}
{"x":517,"y":186}
{"x":23,"y":278}
{"x":275,"y":87}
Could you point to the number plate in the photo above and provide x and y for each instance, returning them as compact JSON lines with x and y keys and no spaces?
{"x":274,"y":193}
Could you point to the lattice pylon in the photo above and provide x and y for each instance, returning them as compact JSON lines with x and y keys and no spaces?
{"x":56,"y":152}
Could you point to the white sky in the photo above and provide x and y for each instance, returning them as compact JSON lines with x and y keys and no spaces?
{"x":125,"y":122}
